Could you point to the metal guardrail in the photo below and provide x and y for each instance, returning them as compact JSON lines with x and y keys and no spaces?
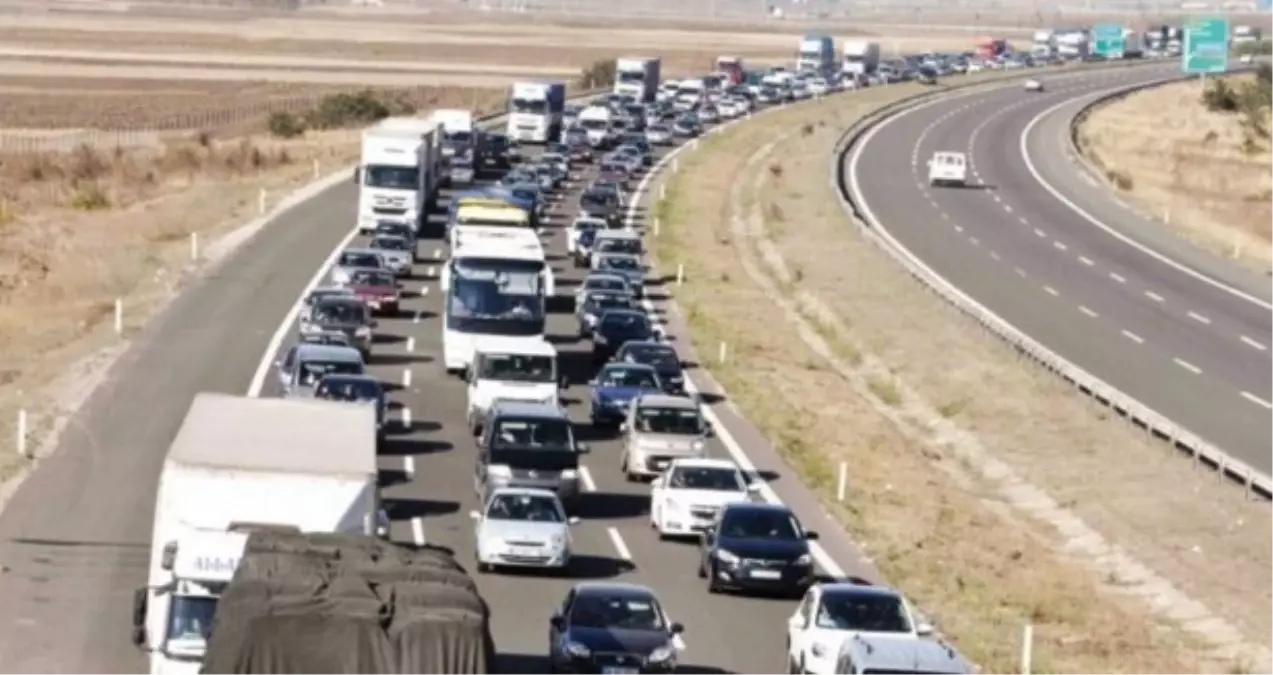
{"x":1202,"y":452}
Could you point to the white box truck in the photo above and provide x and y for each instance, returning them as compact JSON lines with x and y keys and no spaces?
{"x":861,"y":57}
{"x":236,"y":464}
{"x":400,"y":171}
{"x":638,"y":78}
{"x":536,"y":111}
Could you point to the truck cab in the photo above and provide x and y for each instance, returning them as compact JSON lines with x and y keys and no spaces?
{"x":536,"y":111}
{"x":637,"y":78}
{"x":510,"y":369}
{"x":399,"y":173}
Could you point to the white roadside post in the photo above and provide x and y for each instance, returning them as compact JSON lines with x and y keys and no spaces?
{"x":194,"y":245}
{"x":842,"y":485}
{"x":680,"y":274}
{"x":316,"y":168}
{"x":662,"y":192}
{"x":1027,"y":648}
{"x":722,"y":353}
{"x":656,"y":226}
{"x":119,"y":316}
{"x":22,"y":433}
{"x":260,"y":202}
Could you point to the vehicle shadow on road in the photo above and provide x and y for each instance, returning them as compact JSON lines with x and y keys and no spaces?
{"x":399,"y":359}
{"x":406,"y":509}
{"x":612,"y":506}
{"x":415,"y":447}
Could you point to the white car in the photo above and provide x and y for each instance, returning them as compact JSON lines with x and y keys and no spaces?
{"x":818,"y":86}
{"x":948,"y":168}
{"x":690,"y":492}
{"x":523,"y":527}
{"x":1033,"y":85}
{"x":831,"y":613}
{"x":975,"y":67}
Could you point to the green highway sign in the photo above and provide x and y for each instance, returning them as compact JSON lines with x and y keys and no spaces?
{"x":1206,"y":47}
{"x":1107,"y":40}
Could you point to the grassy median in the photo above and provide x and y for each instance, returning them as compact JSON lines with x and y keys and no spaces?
{"x":919,"y":403}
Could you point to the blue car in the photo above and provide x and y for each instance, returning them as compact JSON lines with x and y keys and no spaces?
{"x":616,"y":386}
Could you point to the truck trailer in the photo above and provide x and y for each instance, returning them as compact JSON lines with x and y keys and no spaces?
{"x":861,"y":57}
{"x":400,"y":172}
{"x":239,"y":465}
{"x":638,"y":78}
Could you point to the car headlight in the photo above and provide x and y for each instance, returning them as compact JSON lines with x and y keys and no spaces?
{"x":805,"y":559}
{"x":661,"y":654}
{"x":599,"y":339}
{"x":499,"y":471}
{"x":819,"y":650}
{"x":363,"y":331}
{"x":726,"y":557}
{"x":696,"y":446}
{"x":577,"y":650}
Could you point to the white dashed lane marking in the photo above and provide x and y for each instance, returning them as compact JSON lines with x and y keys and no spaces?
{"x":1257,"y":400}
{"x":1088,"y":312}
{"x":410,"y":344}
{"x":1252,"y":343}
{"x":1086,"y":260}
{"x":406,"y":378}
{"x":1059,"y":246}
{"x":1199,"y":318}
{"x":1118,"y":277}
{"x":1040,"y":233}
{"x":1133,"y":337}
{"x":1051,"y":291}
{"x":1187,"y":366}
{"x":1153,"y":296}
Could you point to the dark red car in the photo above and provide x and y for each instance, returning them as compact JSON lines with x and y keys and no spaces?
{"x":377,"y":288}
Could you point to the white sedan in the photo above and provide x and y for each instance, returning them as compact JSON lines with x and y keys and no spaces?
{"x":689,"y":493}
{"x":1033,"y":85}
{"x":831,"y":613}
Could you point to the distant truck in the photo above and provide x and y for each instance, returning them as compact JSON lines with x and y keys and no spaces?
{"x":816,"y":54}
{"x":535,"y":111}
{"x":861,"y":57}
{"x":1246,"y":34}
{"x":638,"y":78}
{"x":238,"y":465}
{"x":1073,"y":44}
{"x":400,"y":172}
{"x":991,"y":47}
{"x":459,"y":144}
{"x":732,"y":68}
{"x":1133,"y":44}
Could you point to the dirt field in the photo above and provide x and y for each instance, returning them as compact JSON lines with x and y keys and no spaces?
{"x":1193,"y":168}
{"x":982,"y":486}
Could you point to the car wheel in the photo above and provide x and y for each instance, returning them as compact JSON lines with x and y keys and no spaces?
{"x":792,"y":667}
{"x":713,"y":586}
{"x":702,"y":571}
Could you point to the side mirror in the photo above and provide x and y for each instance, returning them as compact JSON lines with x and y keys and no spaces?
{"x":564,"y":383}
{"x":573,"y":520}
{"x":709,"y":430}
{"x":582,"y":448}
{"x":925,"y":629}
{"x":623,"y":427}
{"x":753,"y":488}
{"x":677,"y":628}
{"x":475,"y":515}
{"x":811,"y":535}
{"x":140,"y":599}
{"x":557,"y":622}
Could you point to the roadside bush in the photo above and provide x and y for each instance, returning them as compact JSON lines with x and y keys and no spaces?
{"x":1120,"y":179}
{"x":1257,"y":48}
{"x":90,"y":197}
{"x":599,"y":75}
{"x":285,"y":125}
{"x":360,"y":109}
{"x":1251,"y":99}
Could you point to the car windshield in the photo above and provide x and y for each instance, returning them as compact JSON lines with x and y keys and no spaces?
{"x":871,"y":612}
{"x":757,"y":524}
{"x":653,"y":355}
{"x":390,"y":243}
{"x":316,"y":297}
{"x":619,"y":262}
{"x":348,"y":389}
{"x":314,"y":370}
{"x":371,"y":278}
{"x":706,"y":478}
{"x":394,"y":229}
{"x":615,"y":245}
{"x":391,"y":177}
{"x":603,"y":301}
{"x":532,"y":434}
{"x":625,"y":321}
{"x":532,"y":508}
{"x":516,"y":368}
{"x":624,"y":612}
{"x":628,"y":377}
{"x":359,"y":259}
{"x":659,"y":420}
{"x":339,"y":312}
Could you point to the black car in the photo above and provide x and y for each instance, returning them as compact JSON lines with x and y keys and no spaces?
{"x":617,"y":326}
{"x":596,"y":303}
{"x":756,"y":546}
{"x":492,"y":153}
{"x":612,"y":628}
{"x":662,"y":357}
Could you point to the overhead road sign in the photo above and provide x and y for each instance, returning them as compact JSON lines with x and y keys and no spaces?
{"x":1206,"y":46}
{"x":1107,"y":40}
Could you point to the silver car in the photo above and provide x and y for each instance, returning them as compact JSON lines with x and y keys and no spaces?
{"x":354,"y":258}
{"x":305,"y":365}
{"x":602,"y":281}
{"x":397,"y":252}
{"x":624,"y":264}
{"x":658,"y":429}
{"x":523,"y":527}
{"x":658,"y":134}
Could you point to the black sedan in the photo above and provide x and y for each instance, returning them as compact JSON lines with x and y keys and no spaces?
{"x":662,"y":357}
{"x":617,"y":326}
{"x":612,"y":628}
{"x":756,"y":546}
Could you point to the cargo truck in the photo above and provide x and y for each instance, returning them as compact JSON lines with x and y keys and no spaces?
{"x":459,"y":144}
{"x":732,"y":68}
{"x":816,"y":54}
{"x":861,"y":57}
{"x":239,"y":465}
{"x":638,"y":78}
{"x":400,"y":172}
{"x":535,"y":111}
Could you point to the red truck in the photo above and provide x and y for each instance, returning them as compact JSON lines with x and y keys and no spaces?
{"x":988,"y":47}
{"x":731,"y":66}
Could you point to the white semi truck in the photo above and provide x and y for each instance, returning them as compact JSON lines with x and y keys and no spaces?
{"x":535,"y":111}
{"x":239,"y":464}
{"x":861,"y":57}
{"x":400,"y":172}
{"x":459,"y":144}
{"x":638,"y":78}
{"x":816,"y":54}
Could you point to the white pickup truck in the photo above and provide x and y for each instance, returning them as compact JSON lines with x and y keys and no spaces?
{"x":948,"y":168}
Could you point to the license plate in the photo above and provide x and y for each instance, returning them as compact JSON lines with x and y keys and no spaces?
{"x":766,"y":574}
{"x":616,"y":670}
{"x":525,"y":552}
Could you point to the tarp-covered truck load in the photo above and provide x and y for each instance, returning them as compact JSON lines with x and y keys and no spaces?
{"x":341,"y":603}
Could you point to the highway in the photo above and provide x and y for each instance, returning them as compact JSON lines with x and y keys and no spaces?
{"x":74,"y":539}
{"x":1051,"y":251}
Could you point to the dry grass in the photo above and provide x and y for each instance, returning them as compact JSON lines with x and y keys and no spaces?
{"x":1194,"y":168}
{"x":919,"y":404}
{"x":79,"y":229}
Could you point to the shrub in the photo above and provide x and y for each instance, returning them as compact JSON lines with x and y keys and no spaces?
{"x":90,"y":197}
{"x":1121,"y":179}
{"x":285,"y":125}
{"x":1220,"y":97}
{"x":599,"y":75}
{"x":360,"y":109}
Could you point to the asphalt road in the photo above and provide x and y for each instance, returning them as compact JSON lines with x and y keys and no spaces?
{"x":1183,"y":332}
{"x":74,"y":540}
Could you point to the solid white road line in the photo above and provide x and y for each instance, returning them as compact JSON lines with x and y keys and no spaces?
{"x":1257,"y":400}
{"x":619,"y":546}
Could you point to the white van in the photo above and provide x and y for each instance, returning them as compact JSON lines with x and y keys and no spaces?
{"x":948,"y":168}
